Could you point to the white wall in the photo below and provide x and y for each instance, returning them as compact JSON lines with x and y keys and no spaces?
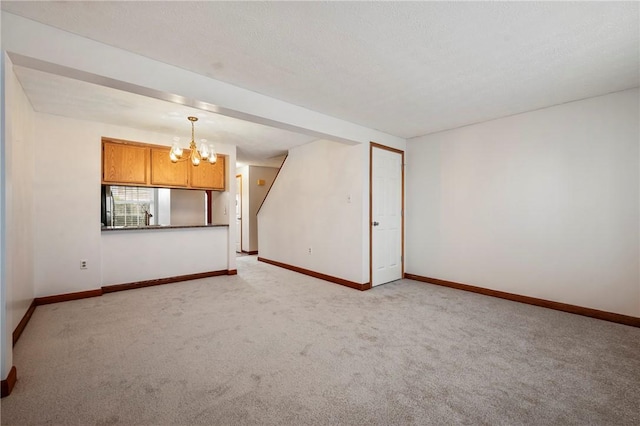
{"x":67,"y":200}
{"x":17,"y":191}
{"x":6,"y":350}
{"x":542,"y":204}
{"x":19,"y":197}
{"x":188,"y":207}
{"x":161,"y":253}
{"x":17,"y":169}
{"x":163,"y":207}
{"x":220,"y":207}
{"x":308,"y":207}
{"x":256,"y":194}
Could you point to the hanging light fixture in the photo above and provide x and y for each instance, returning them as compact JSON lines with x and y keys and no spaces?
{"x":204,"y":153}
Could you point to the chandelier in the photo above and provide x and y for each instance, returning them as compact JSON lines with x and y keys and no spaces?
{"x":196,"y":155}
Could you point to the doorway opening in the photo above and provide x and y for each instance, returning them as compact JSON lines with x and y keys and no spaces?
{"x":238,"y":214}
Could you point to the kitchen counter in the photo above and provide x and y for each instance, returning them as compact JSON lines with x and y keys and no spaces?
{"x":154,"y":227}
{"x":157,"y":252}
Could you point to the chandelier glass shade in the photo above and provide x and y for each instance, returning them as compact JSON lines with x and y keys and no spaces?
{"x":205,"y":152}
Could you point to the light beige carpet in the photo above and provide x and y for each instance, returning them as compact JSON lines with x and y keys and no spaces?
{"x":270,"y":346}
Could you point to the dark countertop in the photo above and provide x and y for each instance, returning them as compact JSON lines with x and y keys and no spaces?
{"x":154,"y":227}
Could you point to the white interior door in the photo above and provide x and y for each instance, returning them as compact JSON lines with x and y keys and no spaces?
{"x":386,"y":215}
{"x":238,"y":213}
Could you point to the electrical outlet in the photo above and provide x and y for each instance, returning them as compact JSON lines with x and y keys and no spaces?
{"x":310,"y":250}
{"x":83,"y":264}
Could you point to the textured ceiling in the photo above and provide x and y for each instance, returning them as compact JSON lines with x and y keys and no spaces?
{"x":405,"y":68}
{"x":52,"y":94}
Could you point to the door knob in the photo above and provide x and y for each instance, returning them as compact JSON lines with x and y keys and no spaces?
{"x":376,"y":223}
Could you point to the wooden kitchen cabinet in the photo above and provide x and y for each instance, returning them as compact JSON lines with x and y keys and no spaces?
{"x":140,"y":164}
{"x":124,"y":163}
{"x":166,"y":173}
{"x":207,"y":175}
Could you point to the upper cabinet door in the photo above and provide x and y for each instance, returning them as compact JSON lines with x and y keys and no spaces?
{"x":166,"y":173}
{"x":122,"y":163}
{"x":135,"y":163}
{"x":208,"y":176}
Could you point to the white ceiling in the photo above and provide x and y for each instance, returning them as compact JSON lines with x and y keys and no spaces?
{"x":405,"y":68}
{"x":53,"y":94}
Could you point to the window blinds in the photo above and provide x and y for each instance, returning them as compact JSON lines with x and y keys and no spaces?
{"x":130,"y":204}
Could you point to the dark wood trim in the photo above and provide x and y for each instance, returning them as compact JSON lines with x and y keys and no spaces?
{"x":38,"y":301}
{"x":67,"y":296}
{"x":252,"y":252}
{"x":161,"y":281}
{"x":127,"y":286}
{"x":6,"y":386}
{"x":272,"y":183}
{"x":388,"y":148}
{"x":319,"y":275}
{"x":209,"y":201}
{"x":371,"y":213}
{"x":565,"y":307}
{"x":24,"y":321}
{"x":373,"y":145}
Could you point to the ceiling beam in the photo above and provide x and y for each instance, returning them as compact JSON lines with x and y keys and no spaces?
{"x":48,"y":49}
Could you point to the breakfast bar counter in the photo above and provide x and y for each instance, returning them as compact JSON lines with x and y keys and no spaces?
{"x":154,"y":227}
{"x":134,"y":254}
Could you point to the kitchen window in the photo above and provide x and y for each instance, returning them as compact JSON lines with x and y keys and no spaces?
{"x":131,"y":205}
